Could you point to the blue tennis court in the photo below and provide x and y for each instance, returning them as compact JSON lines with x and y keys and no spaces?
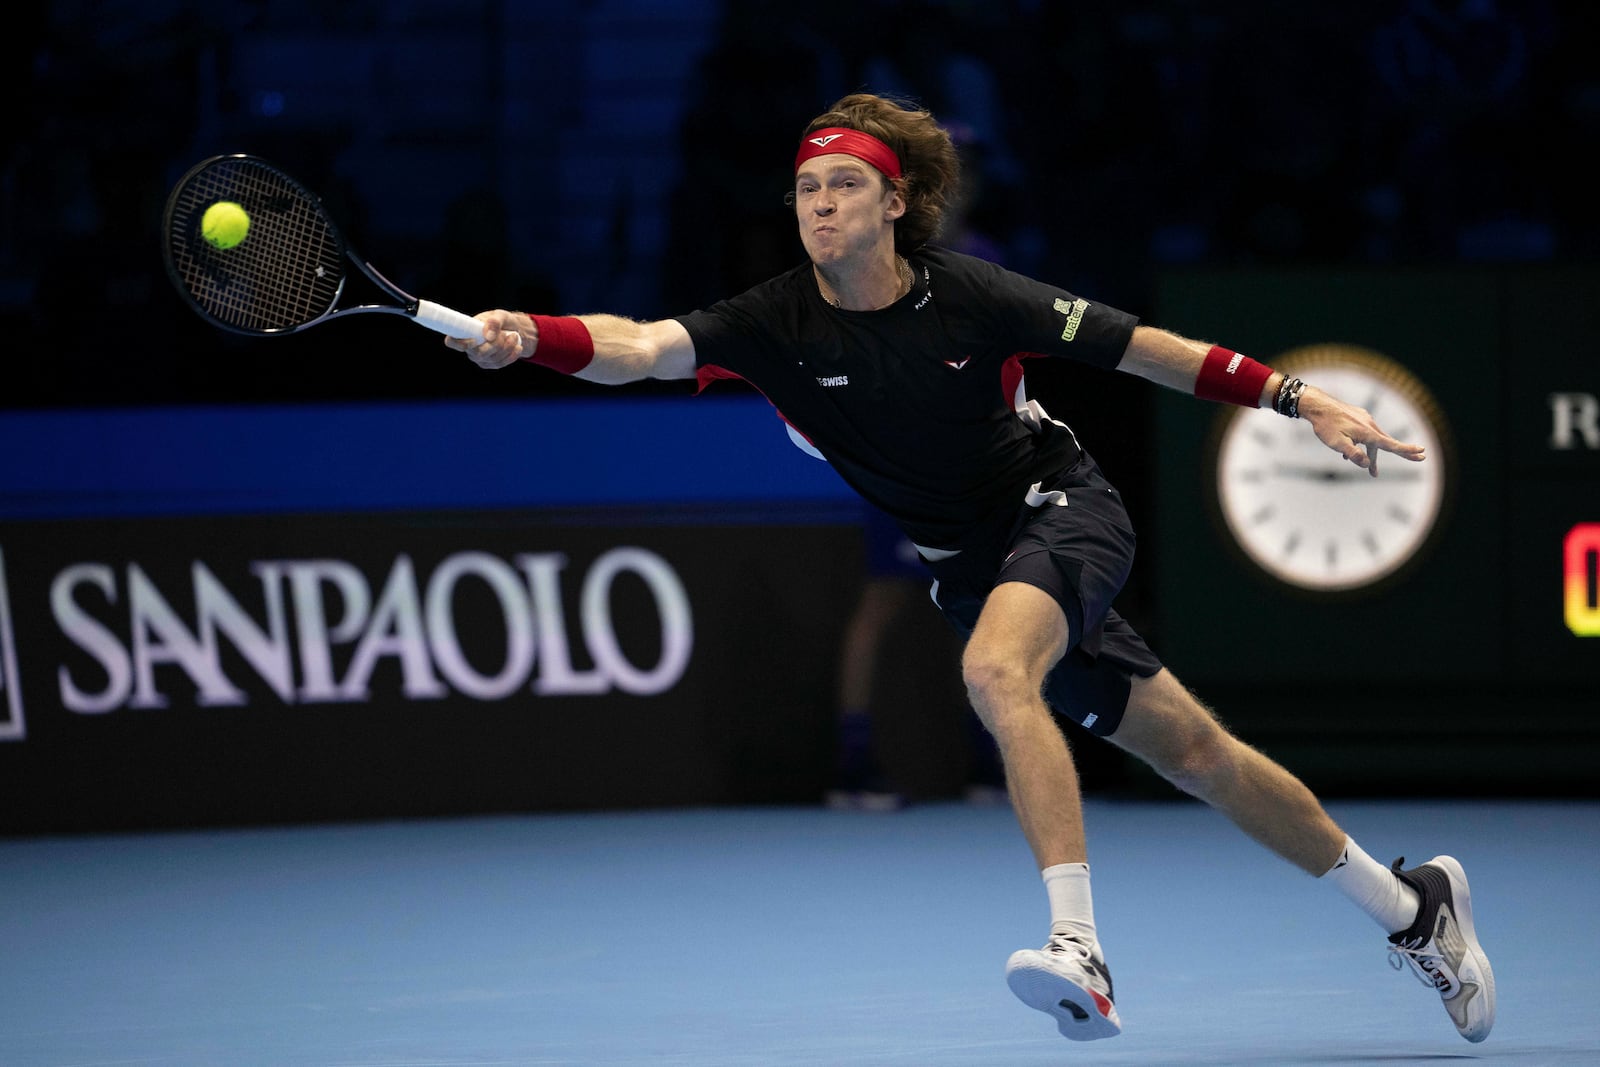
{"x":763,"y":936}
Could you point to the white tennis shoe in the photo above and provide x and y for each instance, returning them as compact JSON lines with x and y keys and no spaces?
{"x":1441,"y":947}
{"x":1068,"y":981}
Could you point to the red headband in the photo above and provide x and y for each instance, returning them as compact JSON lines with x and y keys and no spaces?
{"x":863,"y":146}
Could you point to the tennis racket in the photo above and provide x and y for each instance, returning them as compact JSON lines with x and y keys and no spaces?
{"x":289,"y":272}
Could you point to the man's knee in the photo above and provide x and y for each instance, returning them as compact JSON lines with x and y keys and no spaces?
{"x":1002,"y":691}
{"x":992,"y":680}
{"x":1018,"y":638}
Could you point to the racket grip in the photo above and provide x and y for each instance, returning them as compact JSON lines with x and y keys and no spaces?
{"x":447,"y":321}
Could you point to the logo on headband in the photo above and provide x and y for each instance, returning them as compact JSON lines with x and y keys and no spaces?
{"x":863,"y":146}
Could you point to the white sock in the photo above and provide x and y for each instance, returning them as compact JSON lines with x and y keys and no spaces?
{"x":1071,"y":904}
{"x":1373,"y":888}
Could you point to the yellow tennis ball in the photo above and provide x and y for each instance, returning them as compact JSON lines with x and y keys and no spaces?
{"x":225,"y":224}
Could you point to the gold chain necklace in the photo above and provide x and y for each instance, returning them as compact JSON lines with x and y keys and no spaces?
{"x":907,"y":280}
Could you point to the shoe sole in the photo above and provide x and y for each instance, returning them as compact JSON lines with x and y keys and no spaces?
{"x":1081,"y":1014}
{"x":1461,"y":896}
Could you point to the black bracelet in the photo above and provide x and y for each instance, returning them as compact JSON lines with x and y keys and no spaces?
{"x":1287,"y":401}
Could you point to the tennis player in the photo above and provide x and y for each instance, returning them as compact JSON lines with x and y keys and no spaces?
{"x":901,"y":364}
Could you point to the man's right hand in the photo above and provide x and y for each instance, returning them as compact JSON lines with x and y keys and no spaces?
{"x":507,"y":337}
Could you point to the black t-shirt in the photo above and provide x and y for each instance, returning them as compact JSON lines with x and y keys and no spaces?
{"x":918,"y":406}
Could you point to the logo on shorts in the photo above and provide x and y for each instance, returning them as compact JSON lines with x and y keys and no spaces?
{"x":957,"y":364}
{"x":1037,"y":497}
{"x":12,"y":725}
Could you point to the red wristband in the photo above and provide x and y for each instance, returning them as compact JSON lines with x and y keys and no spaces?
{"x":1231,"y":377}
{"x":564,"y":343}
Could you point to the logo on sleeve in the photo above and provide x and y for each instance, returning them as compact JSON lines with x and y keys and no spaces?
{"x":834,"y":380}
{"x":1074,"y":313}
{"x":956,"y":364}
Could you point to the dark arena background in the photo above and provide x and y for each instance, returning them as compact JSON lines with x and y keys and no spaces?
{"x":356,"y":704}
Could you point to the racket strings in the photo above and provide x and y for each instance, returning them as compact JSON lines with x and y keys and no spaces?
{"x":288,"y":271}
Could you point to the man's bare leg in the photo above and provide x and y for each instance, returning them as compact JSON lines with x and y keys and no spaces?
{"x":1426,"y":910}
{"x":1019,"y":637}
{"x":1170,"y":729}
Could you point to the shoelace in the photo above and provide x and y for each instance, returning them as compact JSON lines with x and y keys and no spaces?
{"x":1427,"y":966}
{"x":1064,"y":944}
{"x":1067,"y":944}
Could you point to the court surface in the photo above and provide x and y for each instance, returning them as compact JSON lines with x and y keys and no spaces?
{"x":768,"y":937}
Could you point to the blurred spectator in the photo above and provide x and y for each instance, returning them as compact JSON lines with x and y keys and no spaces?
{"x":875,"y":673}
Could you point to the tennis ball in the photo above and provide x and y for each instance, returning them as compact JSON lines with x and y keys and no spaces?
{"x":225,"y":224}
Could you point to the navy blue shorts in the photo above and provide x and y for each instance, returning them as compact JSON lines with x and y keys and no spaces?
{"x":1071,"y":537}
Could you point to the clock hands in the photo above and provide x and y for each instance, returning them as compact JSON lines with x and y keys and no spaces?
{"x":1317,"y":473}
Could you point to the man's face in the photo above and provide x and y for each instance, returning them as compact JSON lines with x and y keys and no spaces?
{"x":843,"y":207}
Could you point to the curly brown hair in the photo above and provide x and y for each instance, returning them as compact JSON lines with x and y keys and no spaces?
{"x":929,"y":164}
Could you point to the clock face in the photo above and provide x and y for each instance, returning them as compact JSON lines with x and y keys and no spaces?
{"x":1308,"y":517}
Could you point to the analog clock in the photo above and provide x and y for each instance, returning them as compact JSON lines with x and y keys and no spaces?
{"x":1309,"y":518}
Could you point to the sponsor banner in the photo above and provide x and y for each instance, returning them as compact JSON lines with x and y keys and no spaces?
{"x":1552,"y":375}
{"x":13,"y":725}
{"x":245,"y":669}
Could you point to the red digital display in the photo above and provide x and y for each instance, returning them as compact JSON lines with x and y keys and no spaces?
{"x":1581,"y":559}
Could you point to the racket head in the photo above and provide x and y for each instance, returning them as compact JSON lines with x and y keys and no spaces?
{"x":287,"y":273}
